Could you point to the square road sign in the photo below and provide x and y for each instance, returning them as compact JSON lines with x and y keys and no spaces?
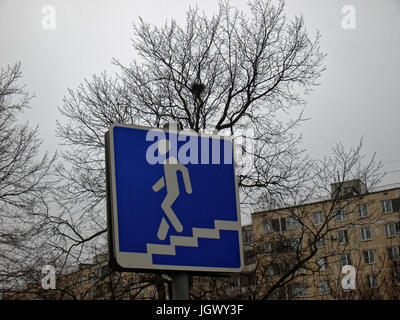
{"x":173,"y":200}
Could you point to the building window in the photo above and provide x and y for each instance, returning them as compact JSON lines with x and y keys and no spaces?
{"x":301,"y":270}
{"x":92,"y":277}
{"x":249,"y":257}
{"x":363,"y":210}
{"x":386,"y":206}
{"x":292,"y":223}
{"x":317,"y":218}
{"x":392,"y":229}
{"x":97,"y":273}
{"x":340,"y":215}
{"x":266,"y":225}
{"x":299,"y":290}
{"x":267,"y":247}
{"x":248,"y":237}
{"x":324,"y":287}
{"x":369,"y":257}
{"x":320,"y":243}
{"x":366,"y":234}
{"x":91,"y":294}
{"x":343,"y":237}
{"x":104,"y":271}
{"x":81,"y":280}
{"x":99,"y":291}
{"x":393,"y":253}
{"x":270,"y":270}
{"x":119,"y":286}
{"x":294,"y":244}
{"x":278,"y":224}
{"x":372,"y":281}
{"x":345,"y":259}
{"x":348,"y":191}
{"x":323,"y":264}
{"x":396,"y":277}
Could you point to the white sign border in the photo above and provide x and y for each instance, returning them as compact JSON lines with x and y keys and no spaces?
{"x":140,"y":261}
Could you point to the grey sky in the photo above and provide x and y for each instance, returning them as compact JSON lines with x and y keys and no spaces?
{"x":359,"y":92}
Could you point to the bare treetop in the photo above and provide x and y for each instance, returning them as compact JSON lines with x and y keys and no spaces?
{"x":215,"y":71}
{"x":225,"y":71}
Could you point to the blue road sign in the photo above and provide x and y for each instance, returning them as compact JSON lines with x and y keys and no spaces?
{"x":174,"y":200}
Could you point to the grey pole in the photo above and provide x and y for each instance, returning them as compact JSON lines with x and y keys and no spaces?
{"x":180,"y":280}
{"x":180,"y":286}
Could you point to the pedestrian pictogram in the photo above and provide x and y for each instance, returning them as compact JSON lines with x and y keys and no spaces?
{"x":170,"y":181}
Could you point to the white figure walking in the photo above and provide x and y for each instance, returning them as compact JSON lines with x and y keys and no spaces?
{"x":170,"y":181}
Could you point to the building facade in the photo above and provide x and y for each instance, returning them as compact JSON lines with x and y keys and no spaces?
{"x":97,"y":281}
{"x":301,"y":250}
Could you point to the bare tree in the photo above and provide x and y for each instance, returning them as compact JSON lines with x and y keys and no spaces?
{"x":24,"y":183}
{"x":223,"y":72}
{"x":292,"y":248}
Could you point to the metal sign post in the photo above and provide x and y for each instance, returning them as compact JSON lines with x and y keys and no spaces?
{"x":180,"y":286}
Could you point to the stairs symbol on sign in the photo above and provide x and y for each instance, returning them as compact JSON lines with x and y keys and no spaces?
{"x":182,"y":241}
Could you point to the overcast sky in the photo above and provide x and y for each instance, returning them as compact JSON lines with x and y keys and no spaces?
{"x":359,"y":93}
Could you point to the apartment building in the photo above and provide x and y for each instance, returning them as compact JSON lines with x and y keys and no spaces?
{"x":96,"y":281}
{"x":308,"y":245}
